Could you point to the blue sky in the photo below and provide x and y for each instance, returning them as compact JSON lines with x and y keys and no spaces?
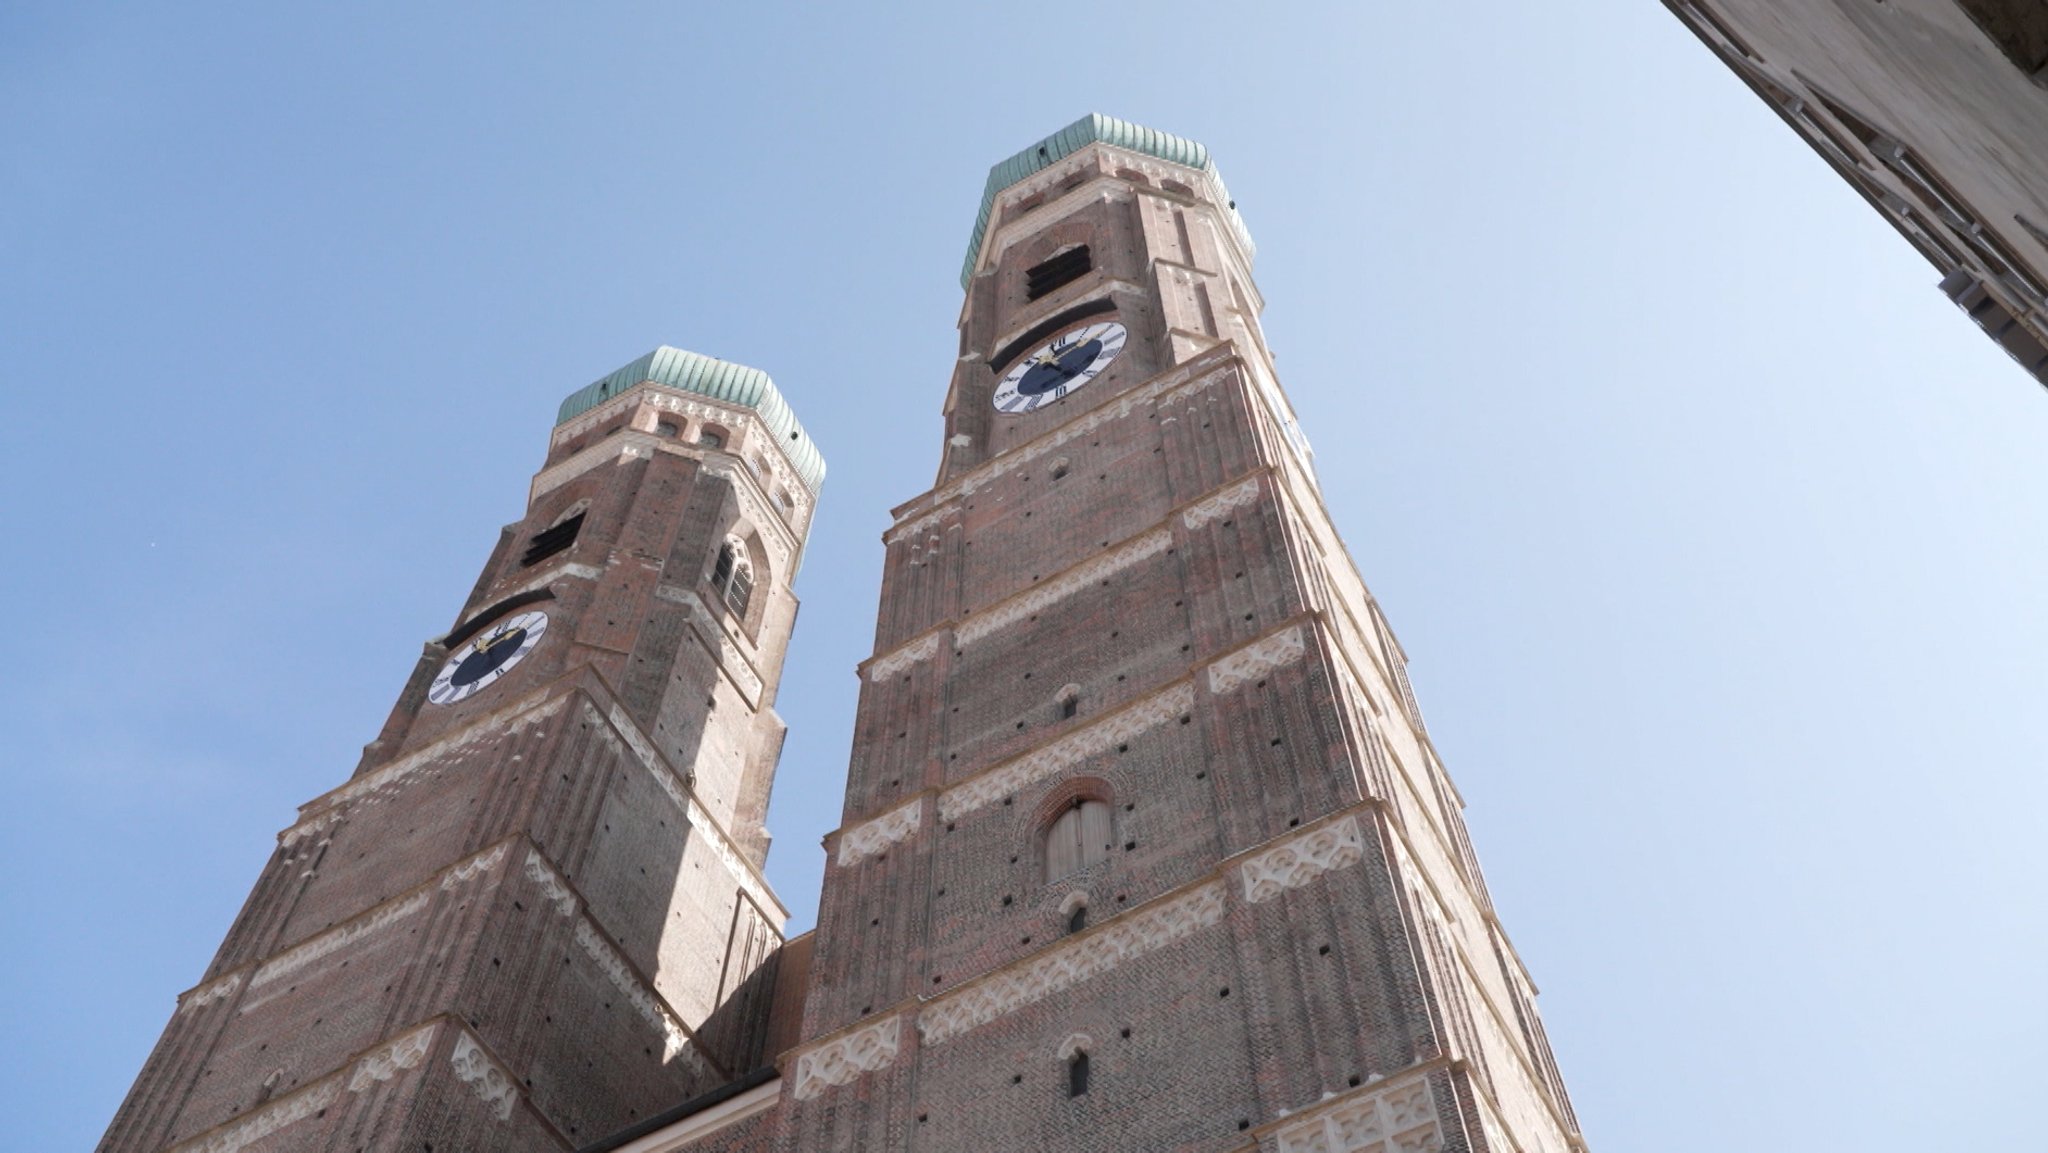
{"x":1713,"y":530}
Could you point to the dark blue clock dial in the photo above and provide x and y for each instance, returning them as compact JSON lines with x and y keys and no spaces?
{"x":1068,"y":363}
{"x":1044,"y":376}
{"x":475,"y":666}
{"x":484,"y":661}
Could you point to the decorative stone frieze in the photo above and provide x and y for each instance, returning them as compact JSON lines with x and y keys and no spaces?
{"x":864,"y":841}
{"x":389,"y":1060}
{"x":1075,"y":960}
{"x":1234,"y":497}
{"x":653,"y":395}
{"x":493,"y":1085}
{"x":210,"y":992}
{"x":265,"y":1120}
{"x":376,"y":920}
{"x":1301,"y":859}
{"x":918,"y":650}
{"x":1257,"y":659}
{"x":1387,"y":1118}
{"x":340,"y":937}
{"x":925,"y":523}
{"x":474,"y":867}
{"x":1115,"y":729}
{"x":304,"y":830}
{"x":1084,"y":575}
{"x":379,"y":1065}
{"x":552,"y":888}
{"x":843,"y":1059}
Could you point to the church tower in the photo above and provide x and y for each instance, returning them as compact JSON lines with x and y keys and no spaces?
{"x":1145,"y":845}
{"x":1144,"y":842}
{"x":535,"y":914}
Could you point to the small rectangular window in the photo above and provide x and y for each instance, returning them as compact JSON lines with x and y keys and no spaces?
{"x":1060,"y":270}
{"x":1077,"y":1075}
{"x":548,"y":542}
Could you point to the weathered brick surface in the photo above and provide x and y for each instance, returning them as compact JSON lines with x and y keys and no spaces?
{"x":1133,"y":596}
{"x":563,"y":866}
{"x":1289,"y":931}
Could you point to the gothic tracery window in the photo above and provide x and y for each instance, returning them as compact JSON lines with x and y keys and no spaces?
{"x":733,"y":577}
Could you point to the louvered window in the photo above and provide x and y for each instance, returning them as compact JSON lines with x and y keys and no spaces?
{"x":1062,"y":269}
{"x":739,"y":590}
{"x":721,"y":573}
{"x":1081,"y":837}
{"x":548,"y":542}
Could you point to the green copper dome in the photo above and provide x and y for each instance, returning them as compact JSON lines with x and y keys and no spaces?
{"x":720,"y":380}
{"x":1078,"y":135}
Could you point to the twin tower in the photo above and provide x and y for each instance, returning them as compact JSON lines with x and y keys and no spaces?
{"x":1144,"y":846}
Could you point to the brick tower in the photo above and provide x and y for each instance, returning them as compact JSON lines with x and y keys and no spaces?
{"x":1144,"y":844}
{"x":535,"y":913}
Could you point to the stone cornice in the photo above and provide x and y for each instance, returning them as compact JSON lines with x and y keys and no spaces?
{"x":668,"y":399}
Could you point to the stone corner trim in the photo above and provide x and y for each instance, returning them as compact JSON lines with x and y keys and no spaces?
{"x":210,"y":992}
{"x":1257,"y":659}
{"x":1302,"y":859}
{"x":895,"y":662}
{"x":864,"y":841}
{"x":1389,"y":1117}
{"x":475,"y":1068}
{"x":845,"y":1058}
{"x":1235,"y":497}
{"x":1126,"y":938}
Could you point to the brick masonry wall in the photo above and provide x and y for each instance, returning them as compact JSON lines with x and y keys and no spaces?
{"x":530,"y":867}
{"x":1288,"y":946}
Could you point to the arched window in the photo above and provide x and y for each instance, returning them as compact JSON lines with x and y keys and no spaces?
{"x":1079,"y":838}
{"x":1074,"y":1051}
{"x":733,"y":577}
{"x":711,"y":436}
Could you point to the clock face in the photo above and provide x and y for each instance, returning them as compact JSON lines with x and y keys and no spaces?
{"x":1070,"y":361}
{"x":490,"y":656}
